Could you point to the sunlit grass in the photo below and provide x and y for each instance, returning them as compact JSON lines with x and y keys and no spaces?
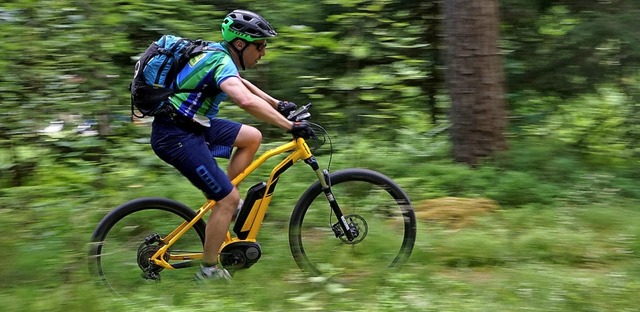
{"x":557,"y":262}
{"x":573,"y":248}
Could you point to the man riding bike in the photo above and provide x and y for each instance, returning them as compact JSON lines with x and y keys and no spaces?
{"x":191,"y":135}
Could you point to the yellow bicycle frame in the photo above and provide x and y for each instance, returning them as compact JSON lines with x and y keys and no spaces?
{"x":299,"y":151}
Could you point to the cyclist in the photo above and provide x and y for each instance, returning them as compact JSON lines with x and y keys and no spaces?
{"x":191,"y":136}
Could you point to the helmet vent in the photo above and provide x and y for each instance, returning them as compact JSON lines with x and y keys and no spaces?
{"x":246,"y":25}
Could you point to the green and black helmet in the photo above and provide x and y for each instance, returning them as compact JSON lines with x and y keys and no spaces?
{"x":246,"y":25}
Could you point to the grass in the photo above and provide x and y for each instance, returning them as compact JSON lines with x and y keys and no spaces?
{"x":559,"y":262}
{"x":553,"y":245}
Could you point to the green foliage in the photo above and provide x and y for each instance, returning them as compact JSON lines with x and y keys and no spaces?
{"x":576,"y":63}
{"x":565,"y":238}
{"x":371,"y":67}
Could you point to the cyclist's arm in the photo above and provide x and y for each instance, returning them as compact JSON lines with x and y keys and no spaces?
{"x":252,"y":103}
{"x":263,"y":95}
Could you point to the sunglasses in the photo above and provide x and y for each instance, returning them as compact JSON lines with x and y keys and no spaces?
{"x":259,"y":46}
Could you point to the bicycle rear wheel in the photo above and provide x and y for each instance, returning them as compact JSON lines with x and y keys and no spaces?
{"x":124,"y":240}
{"x":379,"y":209}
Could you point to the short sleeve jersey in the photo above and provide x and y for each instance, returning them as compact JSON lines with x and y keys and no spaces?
{"x":206,"y":72}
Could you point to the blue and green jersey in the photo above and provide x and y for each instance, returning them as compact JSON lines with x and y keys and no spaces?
{"x":204,"y":72}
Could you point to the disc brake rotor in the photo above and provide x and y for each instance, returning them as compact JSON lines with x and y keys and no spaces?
{"x":359,"y":226}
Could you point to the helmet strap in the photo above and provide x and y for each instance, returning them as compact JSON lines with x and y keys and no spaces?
{"x":240,"y":52}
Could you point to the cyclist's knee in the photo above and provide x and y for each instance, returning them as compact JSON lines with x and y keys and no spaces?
{"x":230,"y":202}
{"x":249,"y":137}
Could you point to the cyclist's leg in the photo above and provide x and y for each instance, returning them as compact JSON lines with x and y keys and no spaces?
{"x":192,"y":156}
{"x":218,"y":225}
{"x":247,"y":144}
{"x":223,"y":135}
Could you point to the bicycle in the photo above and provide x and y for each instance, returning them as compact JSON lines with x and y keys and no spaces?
{"x":348,"y":220}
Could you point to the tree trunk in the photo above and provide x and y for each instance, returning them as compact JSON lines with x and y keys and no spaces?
{"x":474,"y":79}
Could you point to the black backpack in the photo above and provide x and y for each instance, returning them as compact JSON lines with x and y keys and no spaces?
{"x":156,"y":70}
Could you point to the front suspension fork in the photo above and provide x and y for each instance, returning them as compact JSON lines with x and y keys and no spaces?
{"x":342,"y":227}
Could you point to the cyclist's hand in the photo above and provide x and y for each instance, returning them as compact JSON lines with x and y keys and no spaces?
{"x":301,"y":129}
{"x":285,"y":108}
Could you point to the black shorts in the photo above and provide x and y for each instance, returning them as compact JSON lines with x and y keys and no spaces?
{"x":191,"y":149}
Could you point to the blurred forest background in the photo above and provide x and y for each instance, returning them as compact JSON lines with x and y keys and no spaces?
{"x":558,"y":185}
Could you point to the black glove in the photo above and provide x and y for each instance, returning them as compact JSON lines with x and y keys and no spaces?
{"x":285,"y":108}
{"x":301,"y":129}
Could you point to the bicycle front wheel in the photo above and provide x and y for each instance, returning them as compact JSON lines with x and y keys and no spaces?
{"x":377,"y":207}
{"x":124,"y":240}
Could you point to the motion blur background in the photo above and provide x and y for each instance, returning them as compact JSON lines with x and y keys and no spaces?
{"x":542,"y":215}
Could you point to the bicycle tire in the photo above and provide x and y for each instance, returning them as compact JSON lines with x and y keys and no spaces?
{"x":382,"y":211}
{"x":115,"y":242}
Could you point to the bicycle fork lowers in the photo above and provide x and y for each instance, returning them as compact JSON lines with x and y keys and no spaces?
{"x":342,"y":228}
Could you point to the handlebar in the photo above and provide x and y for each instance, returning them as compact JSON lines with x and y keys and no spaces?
{"x":318,"y":135}
{"x":302,"y":113}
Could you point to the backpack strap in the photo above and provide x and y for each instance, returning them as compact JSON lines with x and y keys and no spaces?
{"x":199,"y":46}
